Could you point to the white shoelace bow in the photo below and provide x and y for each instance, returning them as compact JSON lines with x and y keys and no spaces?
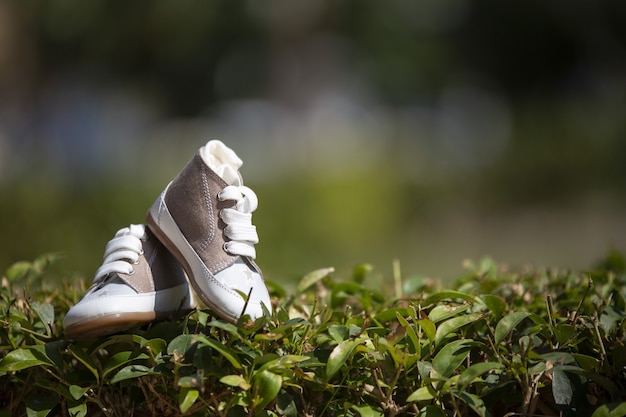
{"x":239,"y":228}
{"x":122,"y":252}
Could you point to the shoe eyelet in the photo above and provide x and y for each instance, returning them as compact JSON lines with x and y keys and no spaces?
{"x":132,"y":272}
{"x":141,"y":252}
{"x":225,"y":247}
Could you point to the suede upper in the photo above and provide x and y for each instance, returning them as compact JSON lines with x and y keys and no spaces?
{"x":192,"y":199}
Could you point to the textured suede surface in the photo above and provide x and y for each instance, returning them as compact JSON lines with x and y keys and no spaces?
{"x":157,"y":262}
{"x":192,"y":201}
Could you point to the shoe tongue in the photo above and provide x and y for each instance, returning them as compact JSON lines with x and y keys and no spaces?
{"x":223,"y":161}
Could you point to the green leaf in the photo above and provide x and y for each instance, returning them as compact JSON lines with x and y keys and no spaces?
{"x":131,"y":339}
{"x":428,"y":327}
{"x":425,"y":393}
{"x":446,"y":295}
{"x":536,"y":369}
{"x":443,"y":312}
{"x":78,"y":410}
{"x":450,"y":357}
{"x":339,"y":356}
{"x":227,"y":327}
{"x":360,"y":272}
{"x":602,"y":380}
{"x":476,"y":370}
{"x":285,"y":405}
{"x":40,"y":405}
{"x":202,"y":317}
{"x":487,"y":266}
{"x":283,"y":362}
{"x":229,"y":354}
{"x":367,"y":411}
{"x":561,"y":358}
{"x":496,"y":305}
{"x":156,"y":346}
{"x":386,"y":316}
{"x":562,"y":390}
{"x":186,"y":398}
{"x":52,"y":352}
{"x":506,"y":325}
{"x":473,"y":402}
{"x":312,"y":277}
{"x":412,"y":284}
{"x":86,"y":360}
{"x":18,"y":271}
{"x":268,"y":357}
{"x":564,"y":332}
{"x":203,"y":358}
{"x":120,"y":359}
{"x":190,"y":381}
{"x":610,"y":319}
{"x":235,"y":381}
{"x":45,"y":312}
{"x":130,"y":372}
{"x":588,"y":363}
{"x":454,"y":324}
{"x":54,"y":386}
{"x":276,"y":290}
{"x":398,"y":354}
{"x":611,"y":410}
{"x":342,"y":291}
{"x":23,"y":358}
{"x":42,"y":262}
{"x":266,"y":386}
{"x":403,"y":322}
{"x":431,"y":411}
{"x":181,"y":344}
{"x":77,"y":392}
{"x":339,"y":332}
{"x":414,"y":344}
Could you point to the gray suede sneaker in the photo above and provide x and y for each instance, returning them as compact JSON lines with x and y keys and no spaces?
{"x":139,"y":282}
{"x":204,"y":217}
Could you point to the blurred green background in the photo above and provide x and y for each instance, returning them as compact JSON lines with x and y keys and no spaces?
{"x":429,"y":131}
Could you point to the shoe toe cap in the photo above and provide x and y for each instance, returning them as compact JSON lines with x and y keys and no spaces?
{"x":111,"y":300}
{"x":244,"y":283}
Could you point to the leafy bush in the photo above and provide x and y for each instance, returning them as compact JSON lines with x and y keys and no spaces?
{"x":538,"y":342}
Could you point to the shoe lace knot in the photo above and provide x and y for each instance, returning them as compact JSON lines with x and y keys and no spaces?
{"x":122,"y":252}
{"x":239,"y":228}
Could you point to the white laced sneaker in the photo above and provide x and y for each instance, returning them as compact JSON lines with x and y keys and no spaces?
{"x":139,"y":282}
{"x":204,"y":217}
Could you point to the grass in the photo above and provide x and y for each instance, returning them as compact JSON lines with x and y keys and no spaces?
{"x":495,"y":342}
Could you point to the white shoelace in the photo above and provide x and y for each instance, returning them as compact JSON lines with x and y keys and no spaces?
{"x":122,"y":252}
{"x":239,"y":228}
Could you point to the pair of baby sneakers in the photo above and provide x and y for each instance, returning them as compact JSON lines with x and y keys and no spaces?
{"x":197,"y":247}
